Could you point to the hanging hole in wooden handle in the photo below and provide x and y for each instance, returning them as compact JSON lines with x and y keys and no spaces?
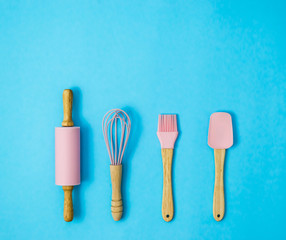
{"x":167,"y":200}
{"x":218,"y":199}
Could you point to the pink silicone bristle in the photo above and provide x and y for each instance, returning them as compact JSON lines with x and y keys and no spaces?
{"x":167,"y":123}
{"x":167,"y":130}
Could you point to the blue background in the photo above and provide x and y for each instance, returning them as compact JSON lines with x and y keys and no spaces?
{"x":192,"y":58}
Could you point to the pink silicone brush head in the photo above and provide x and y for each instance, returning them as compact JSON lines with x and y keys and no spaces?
{"x":167,"y":130}
{"x":220,"y":131}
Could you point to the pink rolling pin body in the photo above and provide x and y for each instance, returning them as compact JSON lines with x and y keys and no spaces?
{"x":67,"y":155}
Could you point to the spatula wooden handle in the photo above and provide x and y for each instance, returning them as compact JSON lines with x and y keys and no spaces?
{"x":68,"y":206}
{"x":218,"y":201}
{"x":167,"y":201}
{"x":116,"y":203}
{"x":67,"y":101}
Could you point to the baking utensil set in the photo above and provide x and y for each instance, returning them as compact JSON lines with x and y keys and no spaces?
{"x":116,"y":127}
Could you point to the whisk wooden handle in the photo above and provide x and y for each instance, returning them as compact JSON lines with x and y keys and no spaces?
{"x":116,"y":203}
{"x":68,"y":206}
{"x":67,"y":100}
{"x":167,"y":202}
{"x":218,"y":200}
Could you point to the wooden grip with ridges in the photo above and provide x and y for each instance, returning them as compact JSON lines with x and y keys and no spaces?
{"x":67,"y":100}
{"x":68,"y":206}
{"x":116,"y":203}
{"x":218,"y":200}
{"x":167,"y":201}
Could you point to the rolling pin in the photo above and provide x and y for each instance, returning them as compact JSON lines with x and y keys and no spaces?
{"x":67,"y":155}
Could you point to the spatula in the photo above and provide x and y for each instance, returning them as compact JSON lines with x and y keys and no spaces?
{"x":220,"y":138}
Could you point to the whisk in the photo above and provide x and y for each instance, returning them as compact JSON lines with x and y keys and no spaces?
{"x":116,"y":127}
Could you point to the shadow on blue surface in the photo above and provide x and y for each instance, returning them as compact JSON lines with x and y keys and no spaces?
{"x":173,"y":164}
{"x":134,"y":138}
{"x":86,"y":153}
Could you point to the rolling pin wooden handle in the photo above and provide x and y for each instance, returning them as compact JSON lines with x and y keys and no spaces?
{"x":67,"y":100}
{"x":167,"y":202}
{"x":116,"y":203}
{"x":68,"y":206}
{"x":218,"y":201}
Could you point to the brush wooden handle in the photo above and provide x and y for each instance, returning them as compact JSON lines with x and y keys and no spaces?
{"x":68,"y":207}
{"x":67,"y":100}
{"x":167,"y":201}
{"x":116,"y":203}
{"x":218,"y":201}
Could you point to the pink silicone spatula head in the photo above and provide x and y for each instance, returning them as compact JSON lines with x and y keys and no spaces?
{"x":220,"y":131}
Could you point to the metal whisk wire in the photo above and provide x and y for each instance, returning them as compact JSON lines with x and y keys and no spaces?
{"x":110,"y":133}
